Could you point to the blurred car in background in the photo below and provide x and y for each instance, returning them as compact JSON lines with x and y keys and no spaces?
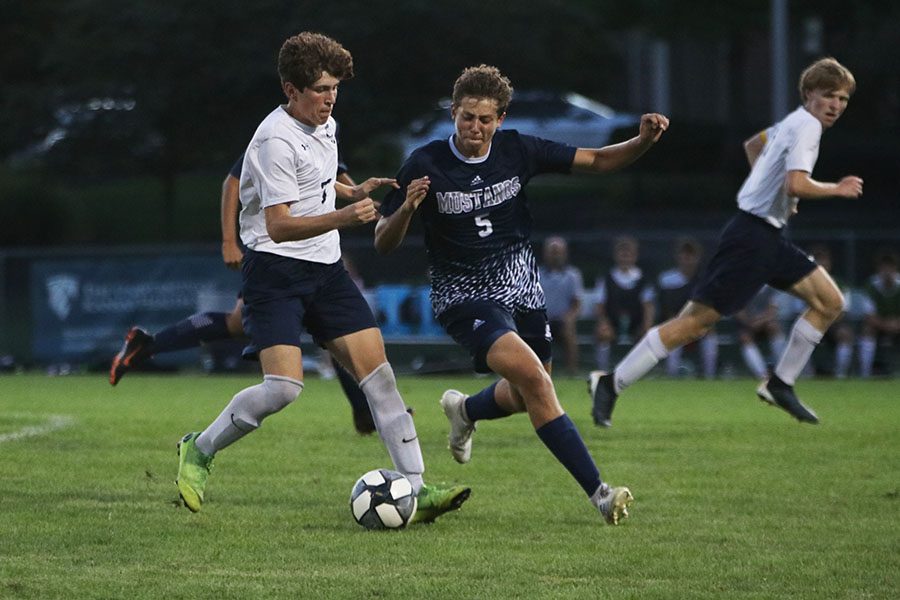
{"x":569,"y":118}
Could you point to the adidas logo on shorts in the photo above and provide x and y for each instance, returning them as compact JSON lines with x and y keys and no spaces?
{"x":476,"y":324}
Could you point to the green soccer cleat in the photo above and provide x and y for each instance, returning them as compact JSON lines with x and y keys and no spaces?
{"x":193,"y":469}
{"x":434,"y":501}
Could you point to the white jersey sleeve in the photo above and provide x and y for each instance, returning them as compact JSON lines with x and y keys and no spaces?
{"x":804,"y":152}
{"x":274,"y":171}
{"x":792,"y":145}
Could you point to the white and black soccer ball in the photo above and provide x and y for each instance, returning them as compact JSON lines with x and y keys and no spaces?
{"x":383,"y":499}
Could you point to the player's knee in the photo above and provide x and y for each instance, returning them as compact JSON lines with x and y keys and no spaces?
{"x":830,"y":305}
{"x":534,"y":379}
{"x":276,"y":393}
{"x":280,"y":391}
{"x":699,"y":329}
{"x":835,"y":304}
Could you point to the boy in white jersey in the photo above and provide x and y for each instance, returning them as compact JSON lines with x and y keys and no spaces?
{"x":753,"y":252}
{"x":293,"y":277}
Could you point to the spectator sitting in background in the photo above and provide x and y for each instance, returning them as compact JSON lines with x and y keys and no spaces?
{"x":881,"y":328}
{"x":674,"y":289}
{"x":563,"y":289}
{"x":757,"y":321}
{"x":625,"y":301}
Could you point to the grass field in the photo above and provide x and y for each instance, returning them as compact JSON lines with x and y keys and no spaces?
{"x":733,"y":499}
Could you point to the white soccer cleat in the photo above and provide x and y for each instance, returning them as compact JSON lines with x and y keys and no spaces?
{"x":461,"y":428}
{"x":612,"y":503}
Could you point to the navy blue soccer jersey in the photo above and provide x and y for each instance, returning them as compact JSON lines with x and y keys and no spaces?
{"x":476,"y":218}
{"x":237,"y":166}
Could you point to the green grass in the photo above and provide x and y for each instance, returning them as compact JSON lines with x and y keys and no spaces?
{"x":733,"y":499}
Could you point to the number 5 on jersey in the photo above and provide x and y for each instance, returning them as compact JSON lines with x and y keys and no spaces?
{"x":484,"y":222}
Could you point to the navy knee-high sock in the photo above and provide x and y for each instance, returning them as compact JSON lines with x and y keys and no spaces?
{"x":564,"y":441}
{"x":355,"y":396}
{"x":483,"y":406}
{"x":202,"y":327}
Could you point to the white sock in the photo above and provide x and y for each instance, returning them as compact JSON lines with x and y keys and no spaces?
{"x":394,"y":424}
{"x":246,"y":411}
{"x":602,"y":354}
{"x":843,"y":355}
{"x":804,"y":338}
{"x":867,"y":347}
{"x":673,"y":362}
{"x":754,"y":359}
{"x":640,"y":360}
{"x":709,"y":348}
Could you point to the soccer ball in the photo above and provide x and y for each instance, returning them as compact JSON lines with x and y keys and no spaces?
{"x":382,"y":499}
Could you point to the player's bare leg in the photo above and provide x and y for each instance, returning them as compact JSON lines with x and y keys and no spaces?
{"x":281,"y":385}
{"x":825,"y":304}
{"x":693,"y":322}
{"x":529,"y":382}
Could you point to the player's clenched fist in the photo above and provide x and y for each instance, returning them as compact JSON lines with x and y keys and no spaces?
{"x":360,"y":212}
{"x":850,"y":187}
{"x":652,"y":126}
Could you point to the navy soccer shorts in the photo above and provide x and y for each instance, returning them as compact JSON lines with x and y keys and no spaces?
{"x":477,"y":325}
{"x":750,"y":254}
{"x":285,"y":296}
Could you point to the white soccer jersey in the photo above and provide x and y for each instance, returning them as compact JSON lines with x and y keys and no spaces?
{"x":289,"y":162}
{"x":792,"y":144}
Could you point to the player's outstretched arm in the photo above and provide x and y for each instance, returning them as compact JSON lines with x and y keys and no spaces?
{"x":390,"y":230}
{"x":231,"y":251}
{"x":618,"y":156}
{"x":801,"y":185}
{"x":284,"y":227}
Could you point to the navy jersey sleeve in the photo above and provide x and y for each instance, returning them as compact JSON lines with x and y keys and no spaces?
{"x":395,"y":198}
{"x":545,"y":156}
{"x":342,"y":164}
{"x":236,"y":167}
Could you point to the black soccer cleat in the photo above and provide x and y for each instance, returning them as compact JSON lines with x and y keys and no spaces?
{"x":603,"y":392}
{"x":134,"y":350}
{"x":778,"y":393}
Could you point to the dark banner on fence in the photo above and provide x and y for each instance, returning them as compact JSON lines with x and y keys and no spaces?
{"x":83,"y":307}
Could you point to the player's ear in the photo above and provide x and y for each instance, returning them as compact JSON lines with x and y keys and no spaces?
{"x":500,"y":119}
{"x":290,"y":90}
